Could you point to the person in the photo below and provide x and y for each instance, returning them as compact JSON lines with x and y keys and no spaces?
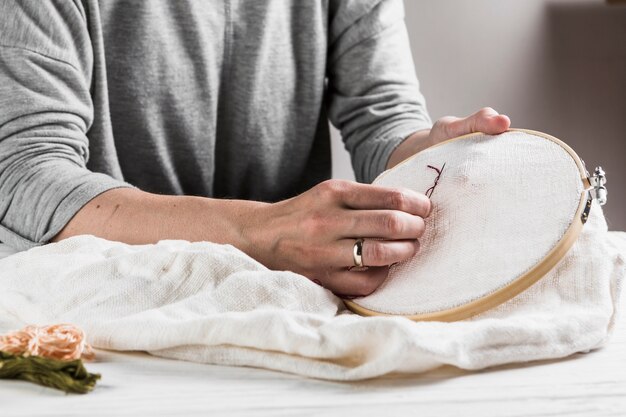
{"x":208,"y":121}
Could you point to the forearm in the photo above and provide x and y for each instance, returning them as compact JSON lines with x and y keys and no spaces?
{"x":137,"y":217}
{"x":311,"y":234}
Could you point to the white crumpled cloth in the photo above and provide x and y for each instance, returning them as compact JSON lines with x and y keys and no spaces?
{"x":211,"y":303}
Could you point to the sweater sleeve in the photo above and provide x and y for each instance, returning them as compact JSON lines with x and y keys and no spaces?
{"x":374,"y":96}
{"x":45,"y":113}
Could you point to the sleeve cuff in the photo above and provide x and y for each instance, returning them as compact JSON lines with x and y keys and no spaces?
{"x":92,"y":185}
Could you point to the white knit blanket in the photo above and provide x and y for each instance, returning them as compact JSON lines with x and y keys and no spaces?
{"x":211,"y":303}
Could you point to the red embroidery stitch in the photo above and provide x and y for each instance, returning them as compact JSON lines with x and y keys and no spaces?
{"x":429,"y":192}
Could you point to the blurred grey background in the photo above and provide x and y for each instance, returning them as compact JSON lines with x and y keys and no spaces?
{"x":557,"y":66}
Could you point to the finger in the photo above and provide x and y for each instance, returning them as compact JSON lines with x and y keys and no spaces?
{"x":374,"y":252}
{"x":489,"y":121}
{"x":350,"y":284}
{"x":372,"y":197}
{"x":385,"y":224}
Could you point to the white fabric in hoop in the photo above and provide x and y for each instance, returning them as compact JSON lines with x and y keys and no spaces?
{"x":500,"y":205}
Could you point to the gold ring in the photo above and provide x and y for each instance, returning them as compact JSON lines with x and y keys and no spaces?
{"x":357,"y":253}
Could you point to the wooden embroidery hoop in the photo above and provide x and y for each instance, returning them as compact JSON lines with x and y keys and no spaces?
{"x":524,"y":281}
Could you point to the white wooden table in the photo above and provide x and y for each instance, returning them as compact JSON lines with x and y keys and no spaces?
{"x":136,"y":384}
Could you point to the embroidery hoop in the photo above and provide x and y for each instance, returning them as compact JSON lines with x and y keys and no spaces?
{"x":593,"y":187}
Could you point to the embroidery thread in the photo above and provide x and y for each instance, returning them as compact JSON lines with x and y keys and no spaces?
{"x":439,"y":171}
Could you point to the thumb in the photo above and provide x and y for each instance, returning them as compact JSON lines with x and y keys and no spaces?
{"x":486,"y":120}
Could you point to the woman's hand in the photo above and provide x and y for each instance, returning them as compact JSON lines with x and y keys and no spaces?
{"x":314,"y":233}
{"x":486,"y":120}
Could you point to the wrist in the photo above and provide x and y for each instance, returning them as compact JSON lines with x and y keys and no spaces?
{"x":413,"y":144}
{"x":248,"y":221}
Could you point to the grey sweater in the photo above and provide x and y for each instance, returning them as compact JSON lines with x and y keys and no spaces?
{"x":219,"y":98}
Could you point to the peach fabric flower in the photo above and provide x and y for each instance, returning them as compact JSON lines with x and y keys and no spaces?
{"x":64,"y":342}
